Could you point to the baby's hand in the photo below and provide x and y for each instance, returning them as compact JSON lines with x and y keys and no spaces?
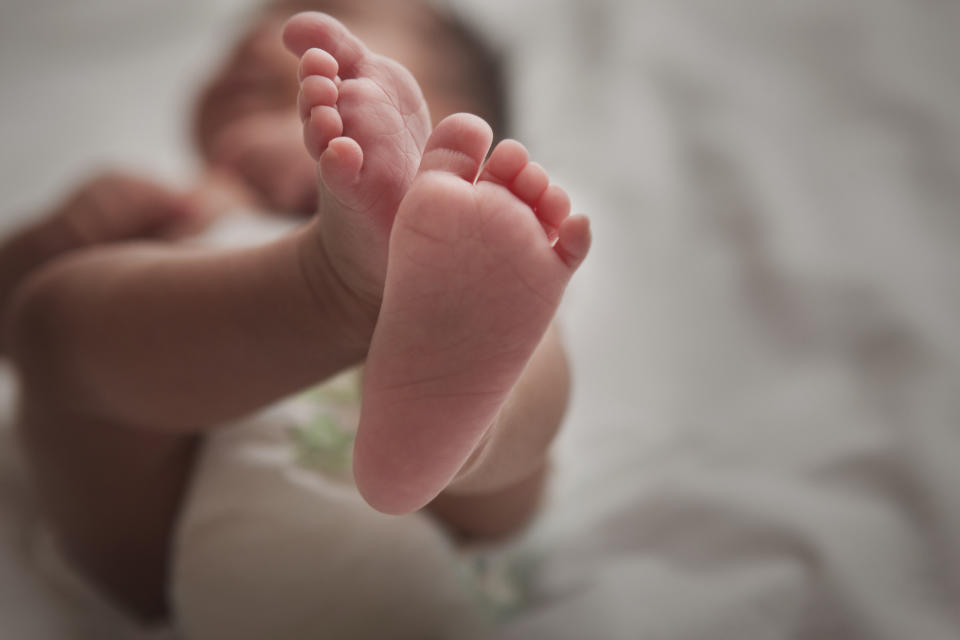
{"x":112,"y":207}
{"x":116,"y":206}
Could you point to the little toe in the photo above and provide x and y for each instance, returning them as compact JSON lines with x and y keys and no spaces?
{"x":458,"y":145}
{"x":506,"y":161}
{"x":530,"y":183}
{"x":553,"y":207}
{"x":340,"y":164}
{"x":573,"y":240}
{"x":317,"y":62}
{"x":316,"y":91}
{"x":323,"y":125}
{"x":310,"y":30}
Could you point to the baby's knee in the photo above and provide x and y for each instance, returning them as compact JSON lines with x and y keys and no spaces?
{"x":37,"y":333}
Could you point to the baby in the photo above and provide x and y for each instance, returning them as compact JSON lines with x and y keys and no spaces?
{"x":437,"y":266}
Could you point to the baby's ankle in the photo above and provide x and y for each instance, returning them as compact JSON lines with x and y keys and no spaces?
{"x":353,"y":309}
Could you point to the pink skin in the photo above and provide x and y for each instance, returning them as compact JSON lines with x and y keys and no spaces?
{"x":463,"y":386}
{"x":265,"y":151}
{"x":476,"y":270}
{"x":465,"y":261}
{"x":365,"y":123}
{"x":105,"y":340}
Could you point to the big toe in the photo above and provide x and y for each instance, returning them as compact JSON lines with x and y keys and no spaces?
{"x":458,"y":145}
{"x":311,"y":30}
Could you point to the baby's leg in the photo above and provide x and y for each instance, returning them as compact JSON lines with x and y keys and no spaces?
{"x":265,"y":317}
{"x":169,"y":338}
{"x":134,"y":349}
{"x":111,"y":496}
{"x":476,"y":270}
{"x":126,"y":352}
{"x":109,"y":209}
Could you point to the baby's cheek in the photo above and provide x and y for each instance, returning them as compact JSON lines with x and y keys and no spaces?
{"x":267,"y":152}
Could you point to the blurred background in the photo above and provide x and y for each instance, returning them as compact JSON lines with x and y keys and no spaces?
{"x":765,"y":432}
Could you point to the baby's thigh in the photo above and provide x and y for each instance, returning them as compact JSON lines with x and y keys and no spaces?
{"x":315,"y":559}
{"x":111,"y":494}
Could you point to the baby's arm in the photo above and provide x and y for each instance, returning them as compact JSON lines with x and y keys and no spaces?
{"x":500,"y":487}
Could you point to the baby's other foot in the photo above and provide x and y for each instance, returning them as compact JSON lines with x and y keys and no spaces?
{"x":365,"y":123}
{"x":476,"y":270}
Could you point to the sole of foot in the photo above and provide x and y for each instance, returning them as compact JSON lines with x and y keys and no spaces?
{"x":479,"y":258}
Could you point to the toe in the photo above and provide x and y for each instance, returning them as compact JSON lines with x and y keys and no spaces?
{"x":506,"y":161}
{"x":458,"y":145}
{"x":316,"y":91}
{"x":573,"y":240}
{"x":553,"y":207}
{"x":323,"y":125}
{"x":340,"y":164}
{"x":317,"y":62}
{"x":317,"y":30}
{"x":530,"y":183}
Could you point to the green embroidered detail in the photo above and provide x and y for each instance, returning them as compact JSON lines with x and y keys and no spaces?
{"x":327,"y":418}
{"x":322,"y":444}
{"x":339,"y":393}
{"x":504,"y":585}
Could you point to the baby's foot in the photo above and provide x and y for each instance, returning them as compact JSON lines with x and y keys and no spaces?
{"x":365,"y":123}
{"x":475,"y":273}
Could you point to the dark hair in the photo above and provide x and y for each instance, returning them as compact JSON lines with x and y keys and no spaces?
{"x":483,"y":73}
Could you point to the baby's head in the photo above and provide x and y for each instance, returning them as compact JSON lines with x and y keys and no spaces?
{"x":247,"y":120}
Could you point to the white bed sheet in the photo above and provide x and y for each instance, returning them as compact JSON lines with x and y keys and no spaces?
{"x":775,"y":299}
{"x":763,"y":439}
